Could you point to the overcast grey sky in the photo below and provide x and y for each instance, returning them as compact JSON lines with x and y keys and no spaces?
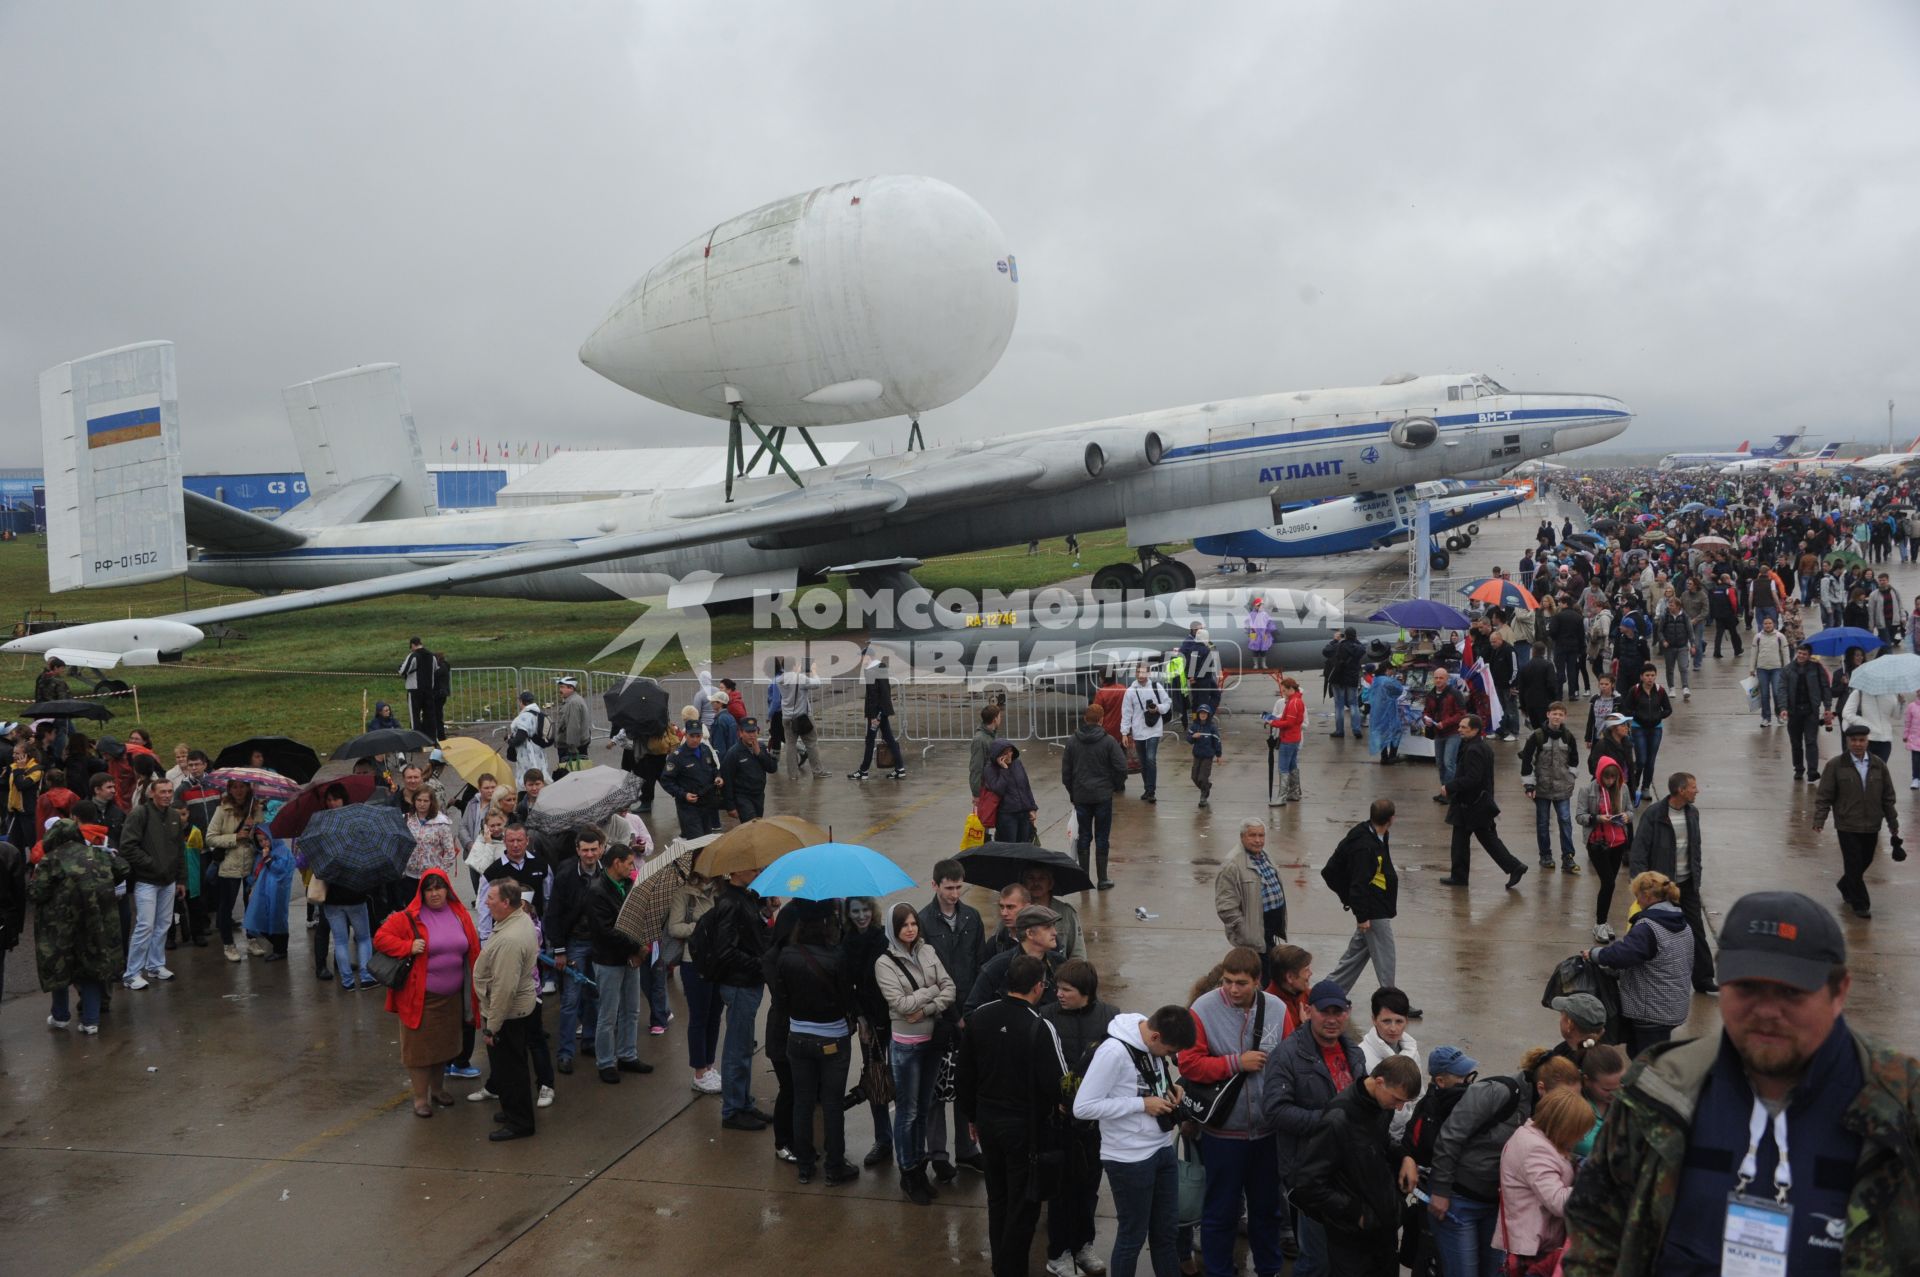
{"x":1705,"y":209}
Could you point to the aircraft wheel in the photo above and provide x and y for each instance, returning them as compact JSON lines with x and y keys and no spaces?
{"x":1438,"y":560}
{"x":1163,"y":577}
{"x":1118,"y":578}
{"x":1455,"y":543}
{"x":1187,"y":579}
{"x":1466,"y":542}
{"x":1473,"y":529}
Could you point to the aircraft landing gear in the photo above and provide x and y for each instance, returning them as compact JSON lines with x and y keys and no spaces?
{"x":1155,"y":574}
{"x":1437,"y":558}
{"x":1118,"y":578}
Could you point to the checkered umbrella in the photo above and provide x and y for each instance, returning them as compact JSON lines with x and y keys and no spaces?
{"x":643,"y":916}
{"x":266,"y":784}
{"x":362,"y":847}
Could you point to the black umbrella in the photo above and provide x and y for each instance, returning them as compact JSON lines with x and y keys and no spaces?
{"x":363,"y":847}
{"x":284,"y":755}
{"x":67,"y":709}
{"x":1001,"y":864}
{"x":391,"y":740}
{"x":638,"y":707}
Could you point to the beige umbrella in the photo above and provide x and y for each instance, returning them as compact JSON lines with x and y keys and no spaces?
{"x":758,"y":843}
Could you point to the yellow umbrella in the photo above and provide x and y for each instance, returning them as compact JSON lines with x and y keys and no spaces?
{"x":471,"y":759}
{"x":757,"y":844}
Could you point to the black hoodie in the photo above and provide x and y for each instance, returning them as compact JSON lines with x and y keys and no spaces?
{"x":1094,"y":766}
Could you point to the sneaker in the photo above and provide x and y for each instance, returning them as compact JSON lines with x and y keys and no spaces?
{"x":707,"y":1083}
{"x":656,"y":1029}
{"x":975,"y":1163}
{"x":476,"y":1097}
{"x":1766,"y":722}
{"x":1546,"y":864}
{"x":1602,"y":933}
{"x":1063,"y":1266}
{"x":781,"y":1153}
{"x":257,"y":947}
{"x":859,"y":775}
{"x":91,"y":1030}
{"x":548,"y":986}
{"x":57,"y":1024}
{"x":1089,"y":1262}
{"x":546,"y":1098}
{"x":845,"y":1173}
{"x":1105,"y":884}
{"x":367,"y":981}
{"x":898,"y":773}
{"x":161,"y":973}
{"x":1203,"y":803}
{"x":456,"y":1070}
{"x":137,"y":982}
{"x":1686,"y":694}
{"x":232,"y":954}
{"x":1570,"y":865}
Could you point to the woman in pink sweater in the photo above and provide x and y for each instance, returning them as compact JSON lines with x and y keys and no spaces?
{"x":1536,"y":1175}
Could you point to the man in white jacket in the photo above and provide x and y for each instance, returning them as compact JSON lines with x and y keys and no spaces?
{"x":1129,"y":1089}
{"x":1143,"y":720}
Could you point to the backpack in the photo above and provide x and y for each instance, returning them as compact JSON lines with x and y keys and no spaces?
{"x":541,"y":734}
{"x":1506,"y":1110}
{"x":703,"y":946}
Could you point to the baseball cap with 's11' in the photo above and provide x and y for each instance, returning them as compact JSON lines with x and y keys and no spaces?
{"x":1781,"y":936}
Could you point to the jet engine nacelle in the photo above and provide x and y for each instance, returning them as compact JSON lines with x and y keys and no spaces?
{"x":873,"y":298}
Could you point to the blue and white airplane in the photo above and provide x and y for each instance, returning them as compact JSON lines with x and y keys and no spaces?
{"x":1782,"y":446}
{"x":1366,"y":522}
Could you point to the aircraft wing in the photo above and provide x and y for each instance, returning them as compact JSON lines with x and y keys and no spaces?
{"x":804,"y":508}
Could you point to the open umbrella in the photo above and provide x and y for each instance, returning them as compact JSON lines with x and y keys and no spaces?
{"x":1500,"y":591}
{"x":471,"y":759}
{"x":363,"y":847}
{"x":1693,"y":507}
{"x":1712,"y":543}
{"x":831,"y":870}
{"x":756,"y":844}
{"x":643,"y":915}
{"x":1606,"y":525}
{"x":1894,"y":672}
{"x":1002,"y":864}
{"x":583,"y":798}
{"x":1422,"y":614}
{"x":265,"y":784}
{"x":285,"y":755}
{"x":67,"y":709}
{"x":1588,"y":538}
{"x":292,"y":819}
{"x":638,"y":707}
{"x":388,"y":740}
{"x":1845,"y":557}
{"x":1837,"y":639}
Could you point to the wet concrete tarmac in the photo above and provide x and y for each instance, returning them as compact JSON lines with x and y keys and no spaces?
{"x":249,"y":1115}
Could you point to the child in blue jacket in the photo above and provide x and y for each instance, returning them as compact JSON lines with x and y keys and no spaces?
{"x":1205,"y":739}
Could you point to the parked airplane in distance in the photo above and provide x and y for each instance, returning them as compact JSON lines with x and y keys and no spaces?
{"x":1782,"y":446}
{"x":1367,"y":522}
{"x":1880,"y":462}
{"x":1757,"y":465}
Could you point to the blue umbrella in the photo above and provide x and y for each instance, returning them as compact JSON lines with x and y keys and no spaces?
{"x":362,"y":847}
{"x":1835,"y":641}
{"x":1422,"y":614}
{"x":1693,"y":507}
{"x":831,"y":870}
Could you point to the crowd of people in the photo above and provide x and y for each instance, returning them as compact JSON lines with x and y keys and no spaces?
{"x":1264,"y":1102}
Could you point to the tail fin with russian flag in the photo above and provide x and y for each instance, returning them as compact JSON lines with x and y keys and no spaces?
{"x":110,"y":439}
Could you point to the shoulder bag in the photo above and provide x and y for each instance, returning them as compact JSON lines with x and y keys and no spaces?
{"x":1211,"y":1103}
{"x":939,"y":1027}
{"x":392,"y":971}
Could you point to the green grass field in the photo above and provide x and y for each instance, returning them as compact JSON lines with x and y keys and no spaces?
{"x":308,"y":674}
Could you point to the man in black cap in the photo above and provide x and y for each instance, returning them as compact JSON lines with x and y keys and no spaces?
{"x":744,"y":772}
{"x":1857,"y":789}
{"x":1785,"y":1143}
{"x":1300,"y":1078}
{"x":692,"y":776}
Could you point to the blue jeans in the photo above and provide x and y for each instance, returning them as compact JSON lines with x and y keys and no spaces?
{"x":1096,"y":829}
{"x":152,"y":916}
{"x":579,"y":1004}
{"x":1463,"y":1239}
{"x":1561,"y":808}
{"x":1699,"y":642}
{"x":1149,"y":751}
{"x":1286,"y":757}
{"x":1346,"y":698}
{"x":1446,"y":757}
{"x":653,"y":983}
{"x":703,"y":1017}
{"x":1646,"y":748}
{"x":1312,"y":1237}
{"x":91,"y":992}
{"x":1761,"y":614}
{"x":742,"y":1003}
{"x":1773,"y":692}
{"x":616,"y":1035}
{"x":1146,"y":1200}
{"x":344,"y":921}
{"x":1237,"y":1171}
{"x":913,"y":1070}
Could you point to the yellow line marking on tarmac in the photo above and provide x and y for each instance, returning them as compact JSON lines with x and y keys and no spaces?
{"x":253,"y":1179}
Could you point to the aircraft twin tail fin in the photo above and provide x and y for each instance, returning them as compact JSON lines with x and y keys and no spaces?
{"x":110,"y":439}
{"x":358,"y":446}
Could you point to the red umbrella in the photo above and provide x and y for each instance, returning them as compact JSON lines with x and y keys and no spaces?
{"x":292,"y":819}
{"x":1500,"y":591}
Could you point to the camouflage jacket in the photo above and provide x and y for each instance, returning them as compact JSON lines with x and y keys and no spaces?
{"x":1617,"y":1215}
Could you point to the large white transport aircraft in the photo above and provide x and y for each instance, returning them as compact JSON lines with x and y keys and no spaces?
{"x":117,"y":513}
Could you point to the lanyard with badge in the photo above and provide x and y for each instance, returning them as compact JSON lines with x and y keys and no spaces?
{"x":1755,"y":1241}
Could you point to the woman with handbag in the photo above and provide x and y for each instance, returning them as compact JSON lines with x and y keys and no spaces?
{"x":1605,"y":811}
{"x":1536,"y":1176}
{"x":1013,"y":807}
{"x":691,"y":900}
{"x":918,"y":992}
{"x":425,"y":955}
{"x":864,"y":941}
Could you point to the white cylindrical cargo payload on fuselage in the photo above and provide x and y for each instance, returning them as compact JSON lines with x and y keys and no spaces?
{"x":881,"y":297}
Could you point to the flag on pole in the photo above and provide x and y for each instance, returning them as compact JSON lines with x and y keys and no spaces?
{"x":1484,"y":677}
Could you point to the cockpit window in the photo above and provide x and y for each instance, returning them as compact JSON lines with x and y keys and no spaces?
{"x":1488,"y":386}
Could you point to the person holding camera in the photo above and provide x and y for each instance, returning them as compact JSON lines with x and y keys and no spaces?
{"x":1129,"y":1089}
